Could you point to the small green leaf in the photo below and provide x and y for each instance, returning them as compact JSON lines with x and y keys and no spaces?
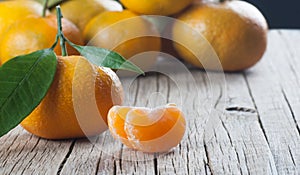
{"x":24,"y":81}
{"x":106,"y":58}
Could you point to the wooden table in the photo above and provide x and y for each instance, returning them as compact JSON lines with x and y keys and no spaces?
{"x":238,"y":123}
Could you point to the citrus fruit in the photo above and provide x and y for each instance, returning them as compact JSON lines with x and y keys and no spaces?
{"x":67,"y":109}
{"x":126,"y":33}
{"x":235,"y":29}
{"x":167,"y":43}
{"x":156,"y":7}
{"x":72,"y":10}
{"x":12,"y":11}
{"x":145,"y":129}
{"x":36,"y":33}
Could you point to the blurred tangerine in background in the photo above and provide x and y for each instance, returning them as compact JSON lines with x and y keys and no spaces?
{"x":126,"y":33}
{"x":73,"y":9}
{"x":13,"y":11}
{"x":36,"y":33}
{"x":235,"y":29}
{"x":156,"y":7}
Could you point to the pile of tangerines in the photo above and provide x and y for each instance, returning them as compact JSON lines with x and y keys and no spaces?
{"x":235,"y":29}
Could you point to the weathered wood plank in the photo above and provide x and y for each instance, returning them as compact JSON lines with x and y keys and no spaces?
{"x":239,"y":146}
{"x":274,"y":112}
{"x":189,"y":156}
{"x":23,"y":153}
{"x":257,"y":134}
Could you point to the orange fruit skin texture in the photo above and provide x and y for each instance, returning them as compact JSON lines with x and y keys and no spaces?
{"x":55,"y":117}
{"x":156,"y":7}
{"x":235,"y":29}
{"x":36,"y":33}
{"x":115,"y":36}
{"x":137,"y":129}
{"x":125,"y":33}
{"x":72,"y":10}
{"x":12,"y":11}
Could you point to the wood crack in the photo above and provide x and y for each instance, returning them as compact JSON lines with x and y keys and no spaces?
{"x":259,"y":117}
{"x":241,"y":109}
{"x":187,"y":159}
{"x":255,"y":106}
{"x":120,"y":159}
{"x":293,"y":160}
{"x":8,"y":151}
{"x":18,"y":155}
{"x":290,"y":55}
{"x":231,"y":143}
{"x":291,"y":111}
{"x":115,"y":168}
{"x":246,"y":161}
{"x":62,"y":164}
{"x":207,"y":157}
{"x":219,"y":97}
{"x":100,"y":156}
{"x":155,"y":166}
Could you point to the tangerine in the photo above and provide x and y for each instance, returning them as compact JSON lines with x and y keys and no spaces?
{"x":126,"y":33}
{"x":156,"y":7}
{"x":91,"y":8}
{"x":77,"y":103}
{"x":235,"y":29}
{"x":36,"y":33}
{"x":12,"y":11}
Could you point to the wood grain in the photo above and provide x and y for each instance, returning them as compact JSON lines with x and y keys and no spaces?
{"x":238,"y":123}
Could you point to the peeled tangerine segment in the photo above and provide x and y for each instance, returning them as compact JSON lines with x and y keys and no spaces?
{"x":146,"y":129}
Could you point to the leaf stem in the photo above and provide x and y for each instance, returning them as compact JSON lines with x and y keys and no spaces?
{"x":55,"y":42}
{"x":60,"y":32}
{"x":45,"y":7}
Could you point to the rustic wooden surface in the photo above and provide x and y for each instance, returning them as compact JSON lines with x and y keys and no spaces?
{"x":246,"y":123}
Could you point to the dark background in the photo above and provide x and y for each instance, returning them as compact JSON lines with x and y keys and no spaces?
{"x":280,"y":14}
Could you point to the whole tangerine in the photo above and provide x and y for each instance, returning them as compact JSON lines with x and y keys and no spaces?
{"x":91,"y":8}
{"x":36,"y":33}
{"x":126,"y":33}
{"x":78,"y":101}
{"x":13,"y":11}
{"x":236,"y":30}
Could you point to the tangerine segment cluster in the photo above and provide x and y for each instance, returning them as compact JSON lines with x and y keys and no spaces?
{"x":145,"y":129}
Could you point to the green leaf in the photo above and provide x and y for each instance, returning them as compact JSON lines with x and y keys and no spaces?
{"x":106,"y":58}
{"x":24,"y":81}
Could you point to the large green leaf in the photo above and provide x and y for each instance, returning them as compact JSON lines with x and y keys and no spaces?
{"x":106,"y":58}
{"x":24,"y":81}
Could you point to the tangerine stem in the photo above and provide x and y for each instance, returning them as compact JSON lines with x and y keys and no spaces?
{"x":60,"y":32}
{"x":45,"y":6}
